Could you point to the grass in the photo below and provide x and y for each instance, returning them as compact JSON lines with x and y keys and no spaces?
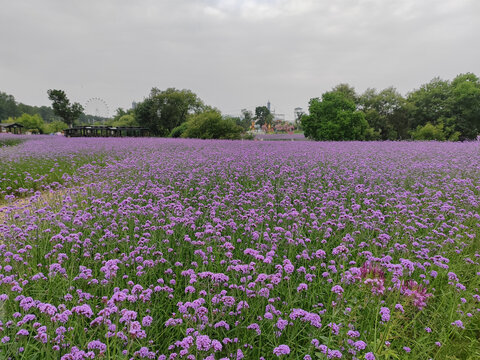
{"x":10,"y":142}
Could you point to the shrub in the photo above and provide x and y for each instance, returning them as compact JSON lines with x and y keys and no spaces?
{"x":211,"y":125}
{"x":429,"y":132}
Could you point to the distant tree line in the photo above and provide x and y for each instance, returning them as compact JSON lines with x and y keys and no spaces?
{"x":44,"y":119}
{"x":438,"y":110}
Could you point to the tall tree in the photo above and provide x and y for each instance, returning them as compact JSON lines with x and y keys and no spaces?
{"x":466,"y":105}
{"x":164,"y":110}
{"x":63,"y":108}
{"x":8,"y":106}
{"x":246,"y":119}
{"x":348,"y":91}
{"x":263,"y":116}
{"x":429,"y":103}
{"x":386,"y":113}
{"x":334,"y":117}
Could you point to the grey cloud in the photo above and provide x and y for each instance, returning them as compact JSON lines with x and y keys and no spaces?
{"x":232,"y":53}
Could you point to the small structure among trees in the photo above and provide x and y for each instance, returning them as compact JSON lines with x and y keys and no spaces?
{"x":106,"y":131}
{"x":12,"y":128}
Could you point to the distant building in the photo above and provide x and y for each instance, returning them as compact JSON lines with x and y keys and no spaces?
{"x":12,"y":128}
{"x":106,"y":131}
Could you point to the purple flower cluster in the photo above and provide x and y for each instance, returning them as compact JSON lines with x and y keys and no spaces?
{"x":190,"y":249}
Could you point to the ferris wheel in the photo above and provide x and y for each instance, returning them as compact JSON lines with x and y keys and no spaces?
{"x":97,"y":107}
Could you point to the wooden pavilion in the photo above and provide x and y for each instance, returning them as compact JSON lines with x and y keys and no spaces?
{"x":12,"y":128}
{"x":106,"y":131}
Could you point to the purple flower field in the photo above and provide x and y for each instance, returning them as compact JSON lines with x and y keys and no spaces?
{"x":194,"y":249}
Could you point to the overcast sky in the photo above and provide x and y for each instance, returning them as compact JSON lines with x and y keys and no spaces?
{"x":233,"y":54}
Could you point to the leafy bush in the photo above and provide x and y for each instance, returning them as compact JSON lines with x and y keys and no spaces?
{"x":178,"y":131}
{"x":32,"y":123}
{"x":334,"y":117}
{"x":211,"y":125}
{"x":429,"y":132}
{"x":55,"y":126}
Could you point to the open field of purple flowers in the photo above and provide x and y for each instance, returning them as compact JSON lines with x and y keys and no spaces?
{"x":191,"y":249}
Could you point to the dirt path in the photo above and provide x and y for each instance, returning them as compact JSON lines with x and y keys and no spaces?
{"x":17,"y":206}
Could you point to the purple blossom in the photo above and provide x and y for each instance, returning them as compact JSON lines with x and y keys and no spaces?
{"x":337,"y":289}
{"x":281,"y":350}
{"x":385,"y":313}
{"x":459,"y":324}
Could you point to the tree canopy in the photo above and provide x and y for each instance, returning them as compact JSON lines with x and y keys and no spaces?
{"x":211,"y":125}
{"x":166,"y":109}
{"x":263,"y":116}
{"x":63,"y":108}
{"x":334,"y":117}
{"x":437,"y":110}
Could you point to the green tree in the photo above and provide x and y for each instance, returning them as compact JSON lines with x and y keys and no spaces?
{"x":8,"y":107}
{"x":466,"y":105}
{"x":334,"y":117}
{"x":125,"y":120}
{"x":211,"y":125}
{"x":348,"y":91}
{"x":429,"y":132}
{"x":245,"y":121}
{"x":386,"y":112}
{"x":179,"y":130}
{"x":164,"y":110}
{"x":263,"y":116}
{"x":63,"y":108}
{"x":55,"y":126}
{"x":429,"y":103}
{"x":32,"y":123}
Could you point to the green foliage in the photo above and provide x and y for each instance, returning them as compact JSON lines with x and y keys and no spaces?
{"x":430,"y":102}
{"x":386,"y":113}
{"x":348,"y":91}
{"x":62,"y":107}
{"x":10,"y":142}
{"x":435,"y":132}
{"x":263,"y":116}
{"x":439,"y":100}
{"x":248,"y":136}
{"x":466,"y":105}
{"x":32,"y":123}
{"x":429,"y":132}
{"x":438,"y":110}
{"x":8,"y":106}
{"x":55,"y":126}
{"x":211,"y":125}
{"x":126,"y":120}
{"x":179,"y":130}
{"x":41,"y":174}
{"x":246,"y":119}
{"x":164,"y":110}
{"x":123,"y":118}
{"x":334,"y":118}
